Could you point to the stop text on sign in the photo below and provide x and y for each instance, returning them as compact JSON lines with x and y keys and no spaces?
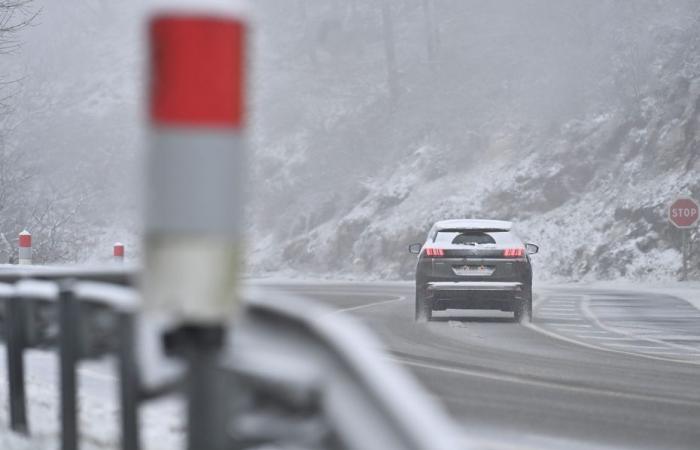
{"x":684,"y":212}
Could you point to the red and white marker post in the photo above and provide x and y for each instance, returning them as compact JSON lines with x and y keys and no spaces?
{"x":196,"y":164}
{"x":118,"y":252}
{"x":194,"y":202}
{"x":684,"y":213}
{"x":25,"y":248}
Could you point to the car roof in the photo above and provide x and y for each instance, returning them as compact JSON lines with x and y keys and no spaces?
{"x":473,"y":224}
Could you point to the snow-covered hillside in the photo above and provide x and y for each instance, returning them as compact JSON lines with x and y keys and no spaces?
{"x":582,"y":142}
{"x":578,"y":120}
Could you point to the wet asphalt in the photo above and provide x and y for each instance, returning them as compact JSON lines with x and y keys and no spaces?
{"x":595,"y":369}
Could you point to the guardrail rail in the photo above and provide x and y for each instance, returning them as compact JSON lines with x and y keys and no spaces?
{"x":292,"y":375}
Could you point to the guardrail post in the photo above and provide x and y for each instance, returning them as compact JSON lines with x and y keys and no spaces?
{"x":16,"y":332}
{"x":68,"y":346}
{"x":200,"y":346}
{"x":129,"y":383}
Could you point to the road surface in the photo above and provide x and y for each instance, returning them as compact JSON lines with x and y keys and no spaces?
{"x":597,"y":368}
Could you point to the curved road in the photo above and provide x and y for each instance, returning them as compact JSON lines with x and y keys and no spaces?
{"x":597,"y":369}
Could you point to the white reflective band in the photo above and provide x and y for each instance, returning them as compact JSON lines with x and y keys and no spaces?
{"x":193,"y":278}
{"x":25,"y":255}
{"x":196,"y":182}
{"x":236,"y":8}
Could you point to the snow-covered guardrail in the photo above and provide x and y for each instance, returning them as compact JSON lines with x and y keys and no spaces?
{"x":291,"y":374}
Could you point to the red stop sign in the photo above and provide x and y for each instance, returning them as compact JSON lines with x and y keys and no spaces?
{"x":683,"y":213}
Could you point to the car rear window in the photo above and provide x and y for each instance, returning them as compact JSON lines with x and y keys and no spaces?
{"x":471,"y":238}
{"x":474,"y":238}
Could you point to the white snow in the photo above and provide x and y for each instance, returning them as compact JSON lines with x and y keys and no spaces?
{"x":44,"y":290}
{"x":99,"y":414}
{"x":120,"y":298}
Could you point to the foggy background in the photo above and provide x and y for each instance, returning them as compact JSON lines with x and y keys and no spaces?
{"x":372,"y":119}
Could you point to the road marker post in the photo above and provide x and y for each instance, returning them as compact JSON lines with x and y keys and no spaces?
{"x":118,"y":252}
{"x":683,"y":213}
{"x":194,"y":203}
{"x":25,"y":248}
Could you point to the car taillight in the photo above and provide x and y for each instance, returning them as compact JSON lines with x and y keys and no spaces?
{"x":514,"y":252}
{"x":434,"y":252}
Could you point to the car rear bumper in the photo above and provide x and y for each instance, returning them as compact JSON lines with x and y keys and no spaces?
{"x":499,"y":295}
{"x":469,"y":286}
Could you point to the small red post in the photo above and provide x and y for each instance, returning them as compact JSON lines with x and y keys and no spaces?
{"x":25,"y":247}
{"x":118,"y":252}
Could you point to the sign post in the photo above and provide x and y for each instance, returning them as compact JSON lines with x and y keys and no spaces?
{"x":683,"y":214}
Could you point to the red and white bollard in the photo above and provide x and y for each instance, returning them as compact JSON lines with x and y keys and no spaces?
{"x":118,"y":252}
{"x":25,"y":248}
{"x":196,"y":163}
{"x":194,"y":203}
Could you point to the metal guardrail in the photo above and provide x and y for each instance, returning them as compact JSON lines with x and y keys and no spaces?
{"x":293,"y":374}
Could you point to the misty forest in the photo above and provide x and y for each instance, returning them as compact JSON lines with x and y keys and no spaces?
{"x":371,"y":119}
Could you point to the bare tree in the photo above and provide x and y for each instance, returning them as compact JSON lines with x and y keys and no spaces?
{"x":309,"y":37}
{"x":431,"y":33}
{"x":390,"y":52}
{"x":14,"y":16}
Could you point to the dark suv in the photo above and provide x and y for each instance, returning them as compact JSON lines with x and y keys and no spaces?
{"x":473,"y":264}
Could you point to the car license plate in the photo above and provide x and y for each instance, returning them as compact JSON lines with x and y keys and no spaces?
{"x":473,"y":270}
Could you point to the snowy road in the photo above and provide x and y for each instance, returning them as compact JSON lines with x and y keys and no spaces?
{"x":597,"y":368}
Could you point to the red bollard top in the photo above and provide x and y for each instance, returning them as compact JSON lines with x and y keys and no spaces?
{"x":119,"y":250}
{"x":25,"y":239}
{"x":197,"y":71}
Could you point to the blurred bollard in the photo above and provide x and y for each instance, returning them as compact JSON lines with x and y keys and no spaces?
{"x":196,"y":165}
{"x":194,"y":201}
{"x":25,"y":248}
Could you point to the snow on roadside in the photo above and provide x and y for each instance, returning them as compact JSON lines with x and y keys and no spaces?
{"x":99,"y":413}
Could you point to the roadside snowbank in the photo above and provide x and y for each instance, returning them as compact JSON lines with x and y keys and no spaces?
{"x":99,"y":413}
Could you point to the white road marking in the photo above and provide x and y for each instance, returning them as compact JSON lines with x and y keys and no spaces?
{"x":588,"y":312}
{"x":560,"y":337}
{"x":540,"y":383}
{"x":679,"y":337}
{"x":667,"y":352}
{"x":637,"y":346}
{"x":558,"y":314}
{"x":612,"y":338}
{"x":368,"y":305}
